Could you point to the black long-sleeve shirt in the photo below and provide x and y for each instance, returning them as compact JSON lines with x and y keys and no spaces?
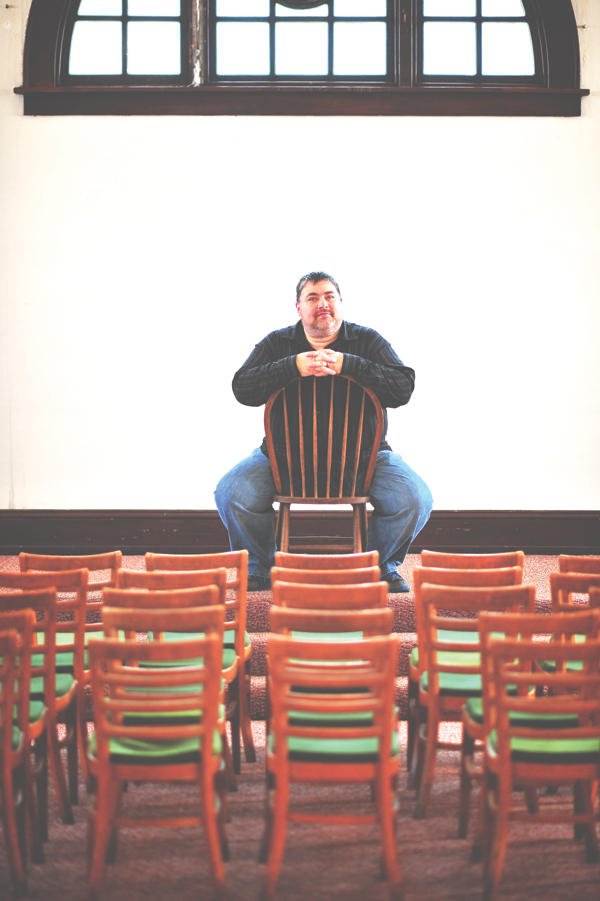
{"x":368,"y":358}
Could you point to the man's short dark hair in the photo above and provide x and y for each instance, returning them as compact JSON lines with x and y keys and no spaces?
{"x":313,"y":278}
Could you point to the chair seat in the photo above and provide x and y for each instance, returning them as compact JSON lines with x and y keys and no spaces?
{"x":357,"y":750}
{"x":456,"y":684}
{"x":474,"y":710}
{"x":361,"y":718}
{"x":132,"y":751}
{"x":550,"y":751}
{"x":444,"y":635}
{"x":16,"y":740}
{"x":64,"y":684}
{"x":327,"y":636}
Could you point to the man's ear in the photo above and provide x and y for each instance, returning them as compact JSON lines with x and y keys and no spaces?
{"x":298,"y":308}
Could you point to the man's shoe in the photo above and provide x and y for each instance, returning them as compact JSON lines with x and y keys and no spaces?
{"x":395,"y":582}
{"x":258,"y":583}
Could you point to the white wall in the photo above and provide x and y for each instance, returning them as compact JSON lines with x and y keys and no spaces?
{"x":142,"y":258}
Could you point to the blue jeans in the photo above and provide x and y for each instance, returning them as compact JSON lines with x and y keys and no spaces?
{"x":401,"y":506}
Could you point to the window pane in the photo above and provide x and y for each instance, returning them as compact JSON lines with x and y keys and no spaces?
{"x":317,"y":11}
{"x":96,"y":49}
{"x":449,"y":48}
{"x":359,"y":48}
{"x":154,"y":7}
{"x":100,"y":8}
{"x":154,"y":48}
{"x":301,"y":48}
{"x":502,"y":8}
{"x":507,"y":49}
{"x":360,"y":8}
{"x":243,"y":48}
{"x":243,"y":8}
{"x":449,"y":8}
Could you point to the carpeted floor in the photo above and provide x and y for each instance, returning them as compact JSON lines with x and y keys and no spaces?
{"x":320,"y":862}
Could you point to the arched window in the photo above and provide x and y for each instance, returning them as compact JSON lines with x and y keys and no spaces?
{"x":302,"y":57}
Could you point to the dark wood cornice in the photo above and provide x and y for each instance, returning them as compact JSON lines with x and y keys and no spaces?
{"x":201,"y":531}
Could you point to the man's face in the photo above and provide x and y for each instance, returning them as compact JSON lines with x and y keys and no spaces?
{"x":320,"y":309}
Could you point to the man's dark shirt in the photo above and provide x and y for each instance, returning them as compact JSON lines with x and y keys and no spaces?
{"x":368,"y":358}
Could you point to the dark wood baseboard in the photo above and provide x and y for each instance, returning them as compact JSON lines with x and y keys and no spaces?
{"x":201,"y":531}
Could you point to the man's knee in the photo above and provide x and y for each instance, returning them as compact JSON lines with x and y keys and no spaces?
{"x":398,"y":489}
{"x":249,"y":485}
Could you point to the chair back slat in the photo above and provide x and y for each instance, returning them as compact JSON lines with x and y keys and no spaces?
{"x":572,"y":563}
{"x":563,"y":585}
{"x":472,"y":561}
{"x":329,"y":443}
{"x":378,"y":621}
{"x":301,"y":433}
{"x":330,"y":597}
{"x":326,"y":576}
{"x":345,"y":435}
{"x":359,"y":433}
{"x":326,"y":561}
{"x":287,"y":436}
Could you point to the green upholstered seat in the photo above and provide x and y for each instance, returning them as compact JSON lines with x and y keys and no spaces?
{"x":357,"y":750}
{"x":64,"y":683}
{"x":474,"y":709}
{"x":327,"y":636}
{"x":16,"y":738}
{"x":135,"y":751}
{"x":446,"y":635}
{"x":456,"y":683}
{"x":551,"y":751}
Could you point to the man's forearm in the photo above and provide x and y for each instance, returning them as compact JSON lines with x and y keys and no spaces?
{"x":392,"y":382}
{"x":259,"y":377}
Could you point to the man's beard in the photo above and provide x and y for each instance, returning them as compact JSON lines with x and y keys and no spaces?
{"x":323,"y":327}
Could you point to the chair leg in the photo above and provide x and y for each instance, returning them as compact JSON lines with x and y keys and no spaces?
{"x":13,"y":823}
{"x":466,"y":766}
{"x":40,"y":773}
{"x":592,"y":852}
{"x":72,"y":744}
{"x":58,"y":775}
{"x":245,"y":721}
{"x":277,"y":842}
{"x":284,"y":528}
{"x":497,"y":845}
{"x":212,"y":834}
{"x":34,"y":836}
{"x":356,"y":530}
{"x":234,"y":694}
{"x":388,"y":840}
{"x":412,"y":720}
{"x":429,"y":760}
{"x":99,"y":835}
{"x":229,"y":774}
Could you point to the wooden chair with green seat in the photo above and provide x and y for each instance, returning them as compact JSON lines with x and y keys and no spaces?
{"x":174,"y":599}
{"x":52,"y":692}
{"x":236,"y":635}
{"x":452,"y":669}
{"x":475,"y":578}
{"x":14,"y":746}
{"x":564,"y":751}
{"x":581,"y":624}
{"x":571,"y":563}
{"x":334,"y":445}
{"x":103,"y":569}
{"x":352,"y":678}
{"x":326,"y":561}
{"x":123,"y":750}
{"x":71,"y":655}
{"x":23,"y":622}
{"x":446,"y":560}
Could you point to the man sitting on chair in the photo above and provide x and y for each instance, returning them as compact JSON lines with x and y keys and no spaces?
{"x":322,"y":344}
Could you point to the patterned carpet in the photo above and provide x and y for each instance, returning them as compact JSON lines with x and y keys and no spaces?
{"x":320,"y":862}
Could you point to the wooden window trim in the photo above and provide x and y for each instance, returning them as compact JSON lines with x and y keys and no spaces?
{"x":560,"y":96}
